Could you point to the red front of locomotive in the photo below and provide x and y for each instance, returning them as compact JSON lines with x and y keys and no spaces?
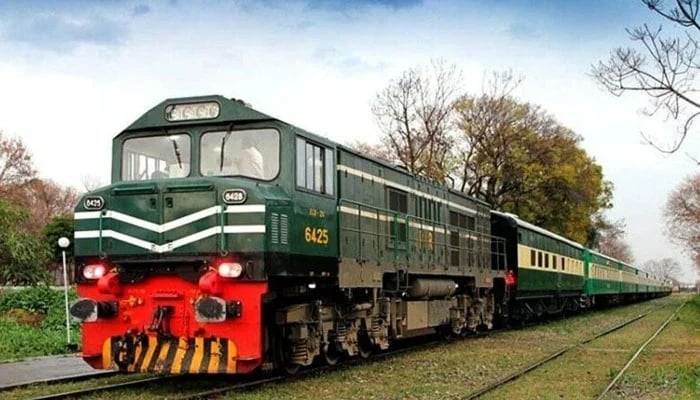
{"x":167,"y":323}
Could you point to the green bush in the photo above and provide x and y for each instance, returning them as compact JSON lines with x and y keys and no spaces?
{"x":24,"y":336}
{"x":23,"y":257}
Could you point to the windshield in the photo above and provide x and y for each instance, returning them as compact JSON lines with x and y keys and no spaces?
{"x":252,"y":153}
{"x":156,"y":157}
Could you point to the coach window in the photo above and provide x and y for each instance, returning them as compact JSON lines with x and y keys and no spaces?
{"x":315,"y":166}
{"x":539,"y":259}
{"x":546,"y":260}
{"x":533,"y":258}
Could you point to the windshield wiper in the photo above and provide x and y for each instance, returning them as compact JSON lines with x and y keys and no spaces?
{"x":223,"y":145}
{"x":177,"y":151}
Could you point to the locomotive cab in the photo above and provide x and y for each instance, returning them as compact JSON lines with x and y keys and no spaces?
{"x":171,"y":256}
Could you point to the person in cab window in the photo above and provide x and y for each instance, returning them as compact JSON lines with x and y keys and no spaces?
{"x":250,"y":162}
{"x":160,"y":174}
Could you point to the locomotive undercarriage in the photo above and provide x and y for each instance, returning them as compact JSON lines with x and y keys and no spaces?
{"x":359,"y":321}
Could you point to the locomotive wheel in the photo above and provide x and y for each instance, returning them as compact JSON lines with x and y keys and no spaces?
{"x":364,"y":345}
{"x":332,"y":355}
{"x":285,"y":348}
{"x":290,"y":368}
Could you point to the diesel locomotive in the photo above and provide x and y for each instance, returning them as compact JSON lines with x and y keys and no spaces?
{"x":230,"y":241}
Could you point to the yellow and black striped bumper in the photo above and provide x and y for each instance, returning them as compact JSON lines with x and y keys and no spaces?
{"x":172,"y":356}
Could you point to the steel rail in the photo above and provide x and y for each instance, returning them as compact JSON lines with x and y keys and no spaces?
{"x":639,"y":351}
{"x":556,"y":354}
{"x":104,"y":388}
{"x":59,"y":380}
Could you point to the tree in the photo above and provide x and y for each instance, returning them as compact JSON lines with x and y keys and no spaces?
{"x":91,"y":182}
{"x":414,"y":113}
{"x":44,"y":200}
{"x":663,"y":67}
{"x":16,"y":167}
{"x":682,"y":215}
{"x":379,"y":151}
{"x":666,"y":268}
{"x":60,"y":226}
{"x":608,"y":237}
{"x":518,"y":158}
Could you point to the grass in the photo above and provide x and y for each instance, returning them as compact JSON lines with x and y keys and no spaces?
{"x":448,"y":371}
{"x":670,"y":367}
{"x":32,"y":322}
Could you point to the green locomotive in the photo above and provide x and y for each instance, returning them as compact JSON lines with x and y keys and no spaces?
{"x":231,"y":241}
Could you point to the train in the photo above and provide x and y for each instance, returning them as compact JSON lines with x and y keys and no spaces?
{"x":230,"y":242}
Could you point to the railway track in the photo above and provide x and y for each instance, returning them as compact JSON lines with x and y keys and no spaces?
{"x":57,"y":381}
{"x":106,"y":388}
{"x":501,"y":382}
{"x":247,"y":384}
{"x":639,"y":351}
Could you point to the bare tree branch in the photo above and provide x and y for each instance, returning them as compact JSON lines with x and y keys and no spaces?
{"x":664,"y":68}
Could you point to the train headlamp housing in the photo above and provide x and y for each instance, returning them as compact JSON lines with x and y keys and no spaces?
{"x":94,"y":271}
{"x":230,"y":269}
{"x":192,"y":111}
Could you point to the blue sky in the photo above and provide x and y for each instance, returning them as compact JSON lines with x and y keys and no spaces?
{"x":74,"y":73}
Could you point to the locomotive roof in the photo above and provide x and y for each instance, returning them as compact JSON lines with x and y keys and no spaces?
{"x":231,"y":110}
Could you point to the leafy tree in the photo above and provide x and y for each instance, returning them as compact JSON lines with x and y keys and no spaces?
{"x":22,"y":256}
{"x":682,"y":215}
{"x":60,"y":226}
{"x":662,"y":66}
{"x":414,"y":113}
{"x":518,"y":158}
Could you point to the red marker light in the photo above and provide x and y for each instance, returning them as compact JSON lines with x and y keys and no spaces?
{"x":511,"y":280}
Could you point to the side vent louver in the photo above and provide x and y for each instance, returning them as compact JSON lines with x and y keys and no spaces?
{"x":274,"y":228}
{"x":284,"y":228}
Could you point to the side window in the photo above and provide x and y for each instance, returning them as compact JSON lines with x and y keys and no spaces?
{"x":533,"y":257}
{"x":315,"y":167}
{"x":398,"y":202}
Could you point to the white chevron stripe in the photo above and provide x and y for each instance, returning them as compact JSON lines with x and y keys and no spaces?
{"x":237,"y":209}
{"x":380,"y":180}
{"x":164,"y":248}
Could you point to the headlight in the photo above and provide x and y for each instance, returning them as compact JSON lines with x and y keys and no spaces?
{"x":94,"y":271}
{"x":192,"y":111}
{"x":230,"y":269}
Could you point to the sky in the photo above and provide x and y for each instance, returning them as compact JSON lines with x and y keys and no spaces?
{"x":74,"y":73}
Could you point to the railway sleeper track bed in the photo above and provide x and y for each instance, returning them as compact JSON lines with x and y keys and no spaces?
{"x":241,"y":383}
{"x":500,"y":383}
{"x":196,"y":386}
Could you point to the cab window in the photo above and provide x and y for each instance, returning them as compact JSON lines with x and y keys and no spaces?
{"x":252,"y":153}
{"x":156,"y":157}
